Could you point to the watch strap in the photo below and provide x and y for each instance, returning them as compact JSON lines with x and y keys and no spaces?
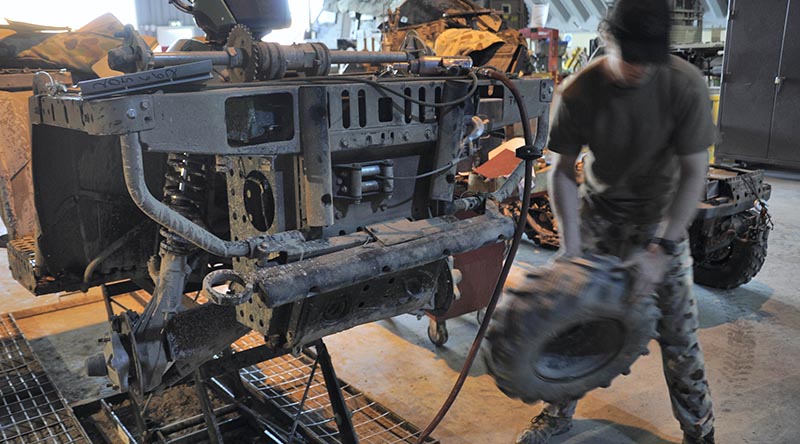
{"x":670,"y":246}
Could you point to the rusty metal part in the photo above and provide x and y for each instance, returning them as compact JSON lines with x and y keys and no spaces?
{"x":234,"y":296}
{"x":296,"y":281}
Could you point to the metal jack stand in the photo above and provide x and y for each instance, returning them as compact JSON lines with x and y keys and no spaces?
{"x":343,"y":418}
{"x":214,"y":434}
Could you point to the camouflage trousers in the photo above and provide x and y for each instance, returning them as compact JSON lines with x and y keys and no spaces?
{"x":681,"y":354}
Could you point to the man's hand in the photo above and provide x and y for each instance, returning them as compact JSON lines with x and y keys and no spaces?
{"x":647,"y":269}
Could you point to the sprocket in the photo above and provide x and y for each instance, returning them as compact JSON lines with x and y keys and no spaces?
{"x":241,"y":39}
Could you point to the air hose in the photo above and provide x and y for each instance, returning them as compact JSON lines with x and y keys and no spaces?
{"x":528,"y":153}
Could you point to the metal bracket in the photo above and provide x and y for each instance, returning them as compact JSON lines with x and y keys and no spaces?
{"x":128,"y":83}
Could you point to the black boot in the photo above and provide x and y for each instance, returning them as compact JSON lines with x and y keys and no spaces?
{"x":543,"y":427}
{"x":707,"y":439}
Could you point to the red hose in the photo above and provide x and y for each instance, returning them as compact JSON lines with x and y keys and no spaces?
{"x":512,"y":252}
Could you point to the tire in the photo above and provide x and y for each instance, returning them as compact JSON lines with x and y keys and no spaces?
{"x":567,"y":329}
{"x":739,"y":263}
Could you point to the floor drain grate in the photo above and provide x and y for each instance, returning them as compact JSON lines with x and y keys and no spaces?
{"x":32,"y":411}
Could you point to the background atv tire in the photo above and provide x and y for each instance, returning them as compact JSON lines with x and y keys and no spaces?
{"x":739,"y":264}
{"x":567,"y":329}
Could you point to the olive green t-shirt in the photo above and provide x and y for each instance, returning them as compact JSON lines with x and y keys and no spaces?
{"x":634,"y":135}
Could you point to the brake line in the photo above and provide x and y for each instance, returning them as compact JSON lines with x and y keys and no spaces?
{"x":512,"y":252}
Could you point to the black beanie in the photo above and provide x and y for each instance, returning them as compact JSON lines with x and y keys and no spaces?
{"x":641,"y":29}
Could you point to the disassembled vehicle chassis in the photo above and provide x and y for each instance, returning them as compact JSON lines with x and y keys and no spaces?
{"x":322,"y":202}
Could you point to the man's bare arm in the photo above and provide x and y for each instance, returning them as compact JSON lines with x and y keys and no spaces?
{"x":690,"y":188}
{"x":650,"y":265}
{"x":564,"y":198}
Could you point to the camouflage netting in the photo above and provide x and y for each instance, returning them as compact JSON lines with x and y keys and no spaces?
{"x":480,"y":45}
{"x":23,"y":45}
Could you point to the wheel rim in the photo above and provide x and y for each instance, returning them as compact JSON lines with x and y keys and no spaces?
{"x":580,"y":350}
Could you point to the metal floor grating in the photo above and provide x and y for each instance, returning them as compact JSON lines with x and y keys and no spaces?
{"x":32,"y":411}
{"x":282,"y":381}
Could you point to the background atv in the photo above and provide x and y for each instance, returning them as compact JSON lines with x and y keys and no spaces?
{"x":728,"y":236}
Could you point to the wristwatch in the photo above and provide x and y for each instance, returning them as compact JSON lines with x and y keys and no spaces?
{"x":670,"y":246}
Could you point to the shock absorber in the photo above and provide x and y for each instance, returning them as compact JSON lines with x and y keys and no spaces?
{"x":185,"y":186}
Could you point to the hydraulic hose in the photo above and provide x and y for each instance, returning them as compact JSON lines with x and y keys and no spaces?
{"x":512,"y":252}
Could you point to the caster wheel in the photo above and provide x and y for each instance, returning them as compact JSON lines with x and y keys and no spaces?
{"x":480,"y":314}
{"x":437,"y":333}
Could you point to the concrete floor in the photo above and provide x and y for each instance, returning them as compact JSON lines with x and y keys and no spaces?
{"x":749,"y":336}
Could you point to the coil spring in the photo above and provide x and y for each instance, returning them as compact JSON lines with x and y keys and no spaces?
{"x":185,"y":185}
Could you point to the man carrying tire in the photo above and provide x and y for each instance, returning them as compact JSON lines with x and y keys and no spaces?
{"x":646,"y":118}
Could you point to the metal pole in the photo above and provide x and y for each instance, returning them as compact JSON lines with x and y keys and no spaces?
{"x":344,"y":420}
{"x":338,"y":56}
{"x":224,"y":58}
{"x":161,"y":60}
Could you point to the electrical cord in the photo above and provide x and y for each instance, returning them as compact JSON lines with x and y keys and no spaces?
{"x":423,"y":175}
{"x":512,"y":252}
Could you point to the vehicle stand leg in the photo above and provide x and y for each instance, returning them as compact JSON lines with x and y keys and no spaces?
{"x":214,"y":435}
{"x":139,"y":418}
{"x":344,"y":420}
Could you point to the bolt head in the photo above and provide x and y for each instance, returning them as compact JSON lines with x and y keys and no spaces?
{"x":131,"y":114}
{"x":344,"y":143}
{"x":145,"y":105}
